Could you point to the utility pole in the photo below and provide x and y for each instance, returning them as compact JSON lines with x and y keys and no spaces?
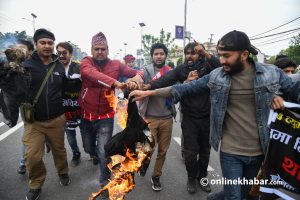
{"x":184,"y":26}
{"x":33,"y":21}
{"x":210,"y":41}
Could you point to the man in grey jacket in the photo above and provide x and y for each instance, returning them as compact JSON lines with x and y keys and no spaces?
{"x":158,"y":112}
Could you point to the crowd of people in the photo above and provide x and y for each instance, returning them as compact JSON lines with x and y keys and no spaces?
{"x":224,"y":104}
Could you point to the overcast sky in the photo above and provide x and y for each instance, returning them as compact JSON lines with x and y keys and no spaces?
{"x":78,"y":21}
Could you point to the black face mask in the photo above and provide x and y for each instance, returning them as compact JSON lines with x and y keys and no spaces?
{"x":101,"y":63}
{"x":159,"y":65}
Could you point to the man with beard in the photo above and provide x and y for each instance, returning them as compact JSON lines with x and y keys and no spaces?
{"x":158,"y":112}
{"x":99,"y":76}
{"x":49,"y":116}
{"x":241,"y":94}
{"x":71,"y":93}
{"x":195,"y":112}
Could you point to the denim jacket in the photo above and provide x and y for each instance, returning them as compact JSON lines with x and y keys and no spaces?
{"x":268,"y":79}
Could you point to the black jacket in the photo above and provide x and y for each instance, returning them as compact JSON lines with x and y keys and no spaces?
{"x":71,"y":93}
{"x":49,"y":104}
{"x":194,"y":106}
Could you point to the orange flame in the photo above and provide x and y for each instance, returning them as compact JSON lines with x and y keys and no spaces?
{"x":121,"y":112}
{"x":122,"y":169}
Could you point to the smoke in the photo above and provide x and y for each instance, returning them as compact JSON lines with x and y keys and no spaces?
{"x":6,"y":43}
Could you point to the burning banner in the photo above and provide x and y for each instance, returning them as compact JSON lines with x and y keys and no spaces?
{"x":282,"y":162}
{"x":127,"y":150}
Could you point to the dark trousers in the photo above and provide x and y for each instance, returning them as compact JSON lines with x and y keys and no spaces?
{"x":196,"y":145}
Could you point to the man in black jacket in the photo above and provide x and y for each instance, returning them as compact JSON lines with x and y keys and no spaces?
{"x":195,"y":112}
{"x":49,"y":114}
{"x":71,"y":94}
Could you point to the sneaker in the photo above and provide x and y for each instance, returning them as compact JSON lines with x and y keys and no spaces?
{"x":64,"y":179}
{"x":191,"y":185}
{"x":156,"y":186}
{"x":104,"y":195}
{"x":75,"y":160}
{"x":206,"y":187}
{"x":22,"y":169}
{"x":33,"y":194}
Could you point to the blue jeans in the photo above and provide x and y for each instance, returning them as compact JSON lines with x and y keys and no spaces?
{"x":99,"y":131}
{"x":71,"y":136}
{"x":234,"y":167}
{"x":22,"y":160}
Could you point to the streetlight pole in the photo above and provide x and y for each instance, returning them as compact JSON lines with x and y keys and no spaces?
{"x":142,"y":24}
{"x":184,"y":26}
{"x":125,"y":44}
{"x":33,"y":21}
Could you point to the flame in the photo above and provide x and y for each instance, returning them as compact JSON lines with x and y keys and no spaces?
{"x":123,"y":169}
{"x":121,"y":112}
{"x":111,"y":98}
{"x":119,"y":106}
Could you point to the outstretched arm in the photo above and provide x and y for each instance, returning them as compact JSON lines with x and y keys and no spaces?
{"x":190,"y":88}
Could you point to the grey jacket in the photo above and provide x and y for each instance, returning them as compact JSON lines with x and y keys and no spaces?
{"x":142,"y":105}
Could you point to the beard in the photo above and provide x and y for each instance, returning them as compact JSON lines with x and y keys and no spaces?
{"x":101,"y":63}
{"x":159,"y":65}
{"x":236,"y":67}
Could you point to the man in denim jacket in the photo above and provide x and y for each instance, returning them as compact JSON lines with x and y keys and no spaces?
{"x":241,"y":94}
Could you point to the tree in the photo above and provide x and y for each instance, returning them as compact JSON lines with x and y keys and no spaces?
{"x":7,"y":39}
{"x":148,"y":40}
{"x":293,"y":51}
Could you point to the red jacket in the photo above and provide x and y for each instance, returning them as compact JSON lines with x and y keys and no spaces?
{"x":96,"y":81}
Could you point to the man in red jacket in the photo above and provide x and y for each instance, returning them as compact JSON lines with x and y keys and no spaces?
{"x":99,"y":76}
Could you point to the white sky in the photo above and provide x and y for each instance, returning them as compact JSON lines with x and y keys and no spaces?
{"x":78,"y":21}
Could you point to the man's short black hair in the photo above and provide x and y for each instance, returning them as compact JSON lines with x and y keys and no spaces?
{"x":285,"y":62}
{"x":65,"y":45}
{"x":158,"y":46}
{"x":27,"y":43}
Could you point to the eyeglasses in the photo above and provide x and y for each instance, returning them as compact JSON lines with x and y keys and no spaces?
{"x":63,"y":53}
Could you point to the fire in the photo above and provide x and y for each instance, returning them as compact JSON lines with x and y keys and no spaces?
{"x":121,"y":112}
{"x":123,"y":169}
{"x":120,"y":107}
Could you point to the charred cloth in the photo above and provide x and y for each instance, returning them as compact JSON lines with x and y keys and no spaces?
{"x":14,"y":84}
{"x":133,"y":133}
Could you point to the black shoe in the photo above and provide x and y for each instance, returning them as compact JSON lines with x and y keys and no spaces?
{"x":142,"y":171}
{"x":191,"y":185}
{"x":48,"y":149}
{"x":104,"y":195}
{"x":33,"y":194}
{"x":64,"y":179}
{"x":22,"y":169}
{"x":216,"y":196}
{"x":75,"y":160}
{"x":205,"y":187}
{"x":156,"y":186}
{"x":95,"y":160}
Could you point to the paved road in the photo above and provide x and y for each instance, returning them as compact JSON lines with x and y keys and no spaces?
{"x":85,"y":176}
